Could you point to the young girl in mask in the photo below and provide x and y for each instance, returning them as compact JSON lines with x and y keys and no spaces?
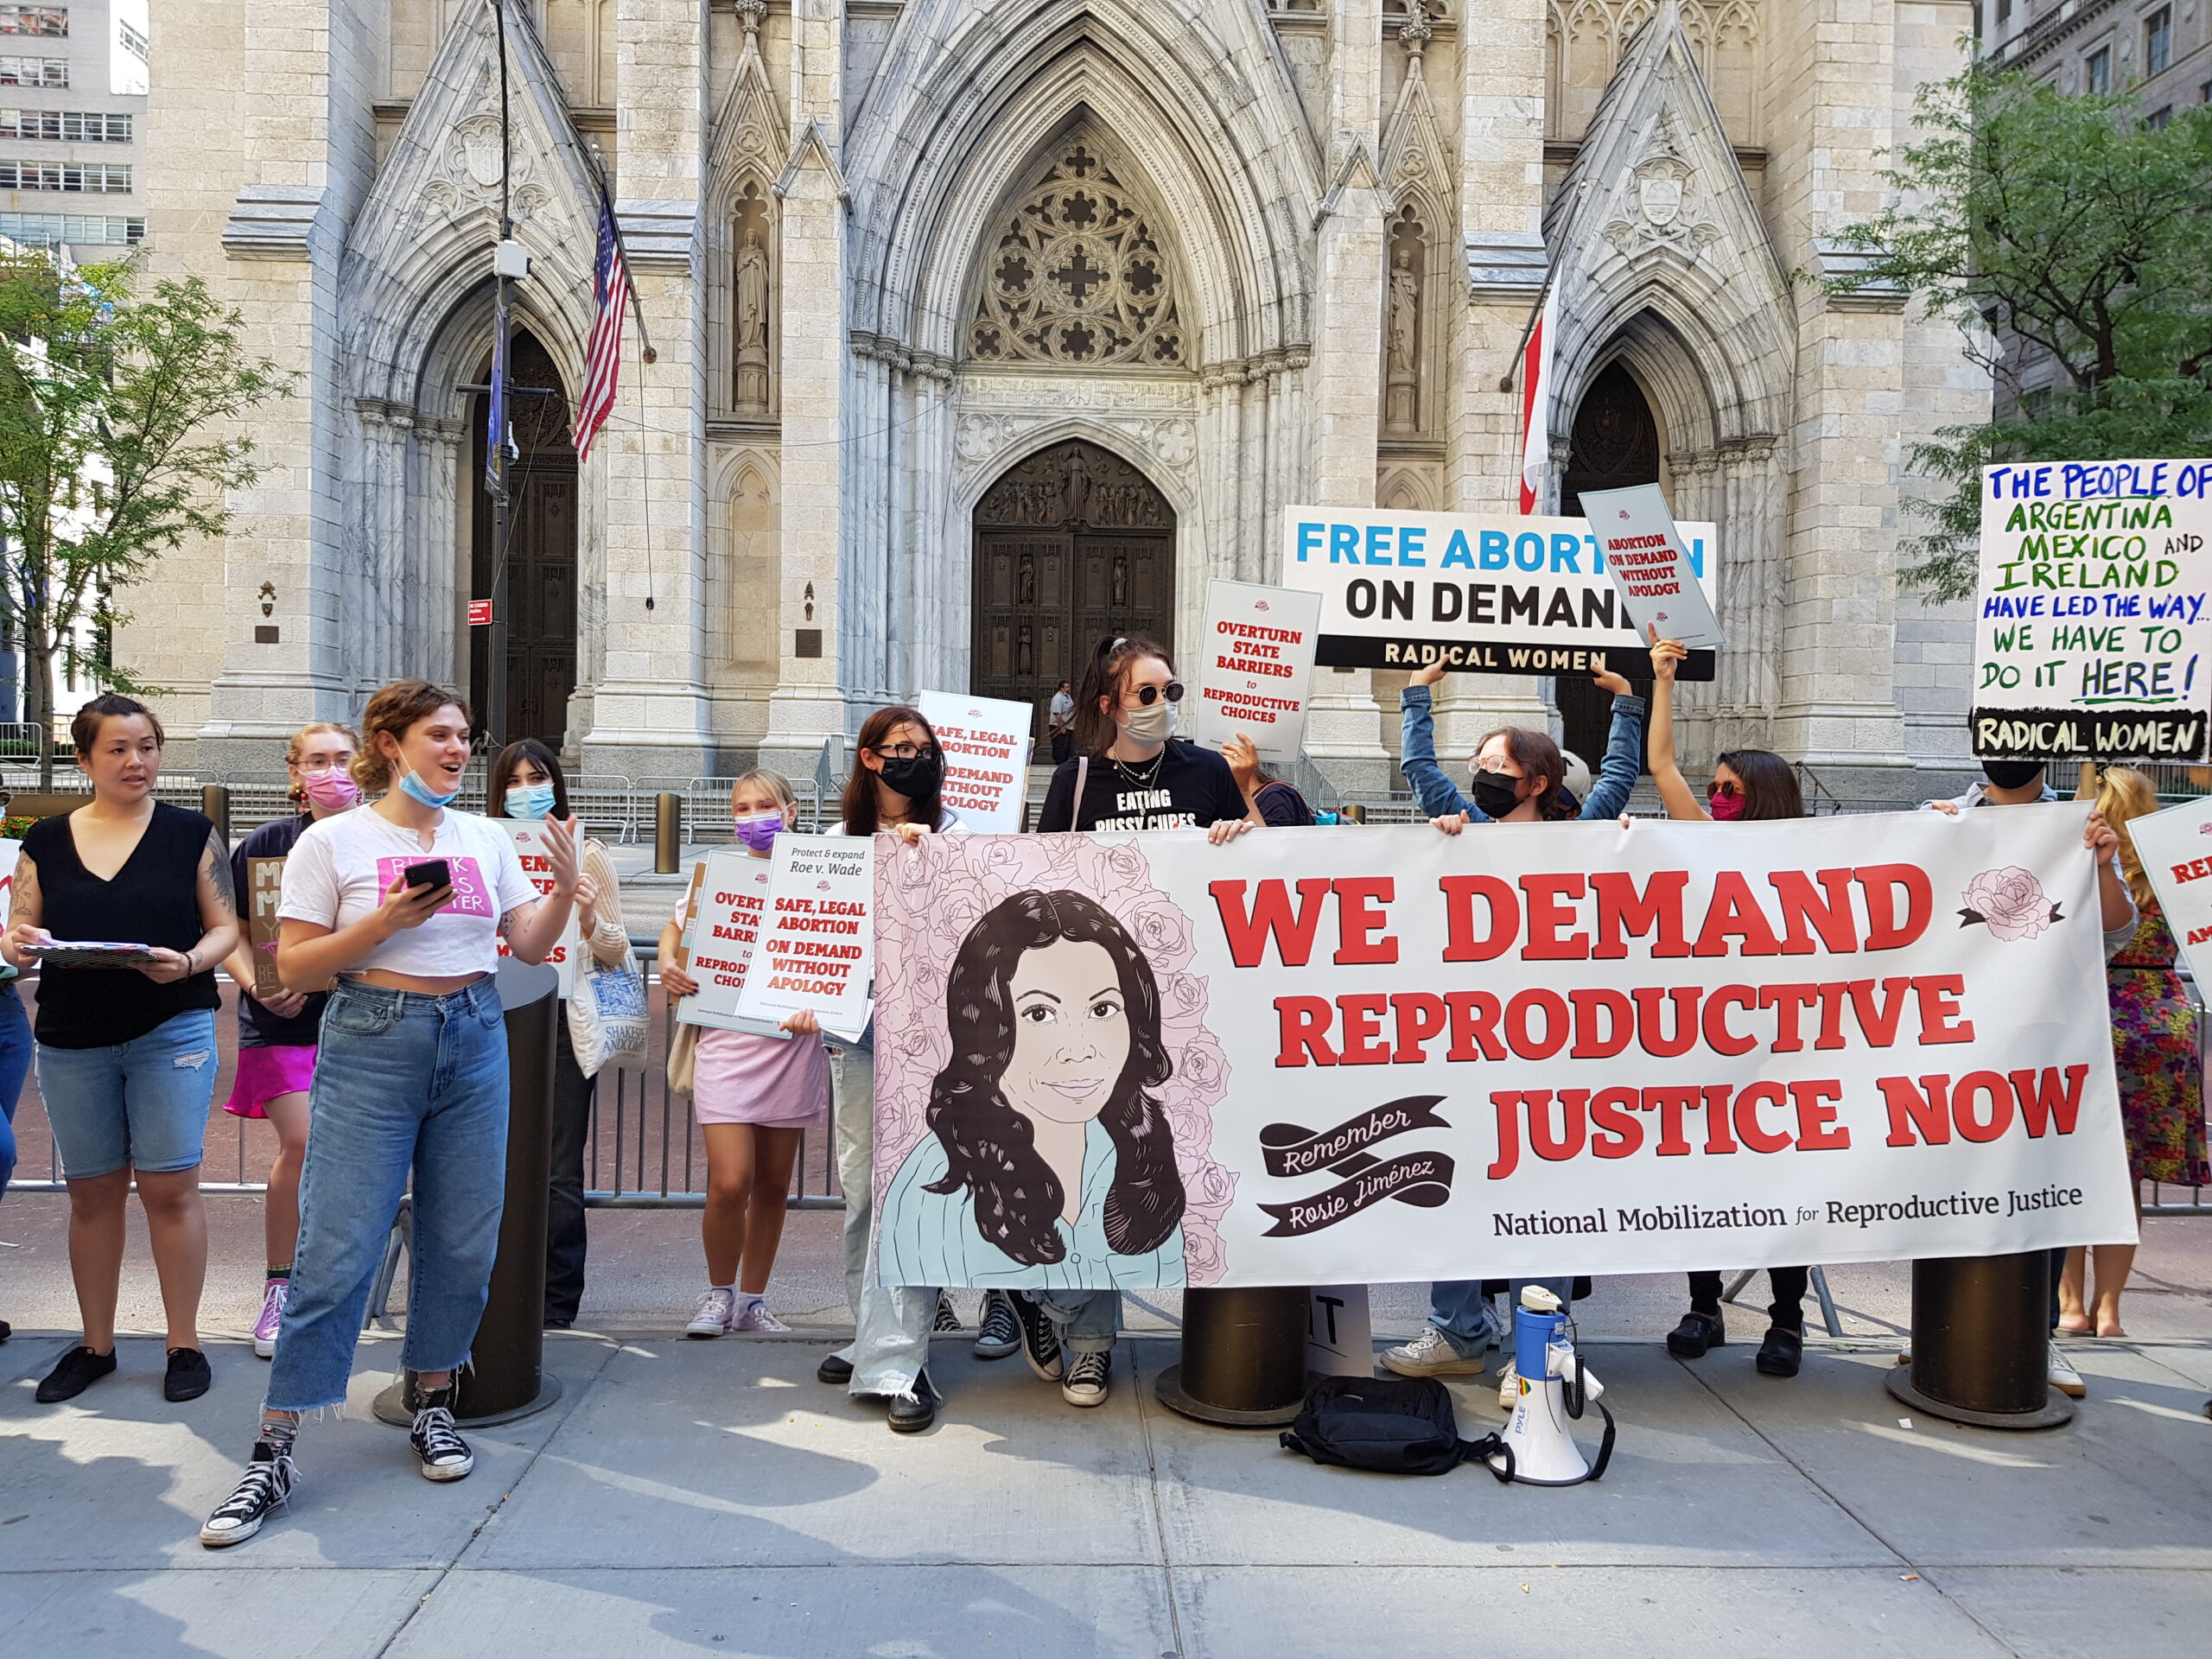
{"x":277,"y":1038}
{"x":755,"y":1097}
{"x":526,"y":782}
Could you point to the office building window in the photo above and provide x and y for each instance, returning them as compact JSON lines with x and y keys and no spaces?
{"x":98,"y":178}
{"x":2004,"y":12}
{"x":53,"y":21}
{"x":2158,"y":41}
{"x":33,"y":71}
{"x":2157,"y":117}
{"x":45,"y":230}
{"x":2096,"y":70}
{"x":68,"y":126}
{"x":133,"y":41}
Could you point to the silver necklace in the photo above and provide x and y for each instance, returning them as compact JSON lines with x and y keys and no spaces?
{"x":1146,"y":780}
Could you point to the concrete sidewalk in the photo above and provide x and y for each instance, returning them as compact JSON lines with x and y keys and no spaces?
{"x":712,"y":1497}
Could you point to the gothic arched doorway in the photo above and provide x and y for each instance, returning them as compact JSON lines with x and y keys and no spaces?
{"x":1072,"y":543}
{"x":541,"y":549}
{"x":1615,"y":444}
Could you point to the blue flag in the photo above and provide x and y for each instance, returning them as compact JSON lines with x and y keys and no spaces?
{"x":495,"y":419}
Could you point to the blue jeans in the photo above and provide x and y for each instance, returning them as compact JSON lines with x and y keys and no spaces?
{"x":1086,"y":1320}
{"x":1459,"y":1309}
{"x":890,"y":1323}
{"x":15,"y":1047}
{"x":139,"y":1105}
{"x":402,"y":1080}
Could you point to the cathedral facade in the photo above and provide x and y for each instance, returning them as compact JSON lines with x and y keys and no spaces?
{"x":980,"y":327}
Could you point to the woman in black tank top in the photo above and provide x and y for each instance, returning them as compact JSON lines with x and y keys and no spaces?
{"x":126,"y":1057}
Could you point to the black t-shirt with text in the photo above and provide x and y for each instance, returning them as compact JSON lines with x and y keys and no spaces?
{"x":1187,"y":785}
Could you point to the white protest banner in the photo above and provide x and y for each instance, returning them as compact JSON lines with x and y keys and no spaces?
{"x":2176,"y":848}
{"x":985,"y":743}
{"x":729,"y":893}
{"x":1650,"y":565}
{"x":530,"y":846}
{"x":1340,"y":1338}
{"x":1519,"y":1051}
{"x":1258,"y":669}
{"x":816,"y":950}
{"x":1493,"y":591}
{"x":2092,"y":636}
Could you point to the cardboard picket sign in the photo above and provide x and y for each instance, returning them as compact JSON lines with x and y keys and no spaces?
{"x":2093,"y":632}
{"x":2176,"y":848}
{"x":1650,"y":565}
{"x":985,"y":743}
{"x":529,"y":835}
{"x":264,"y":881}
{"x":1256,"y":674}
{"x":815,"y":952}
{"x":722,"y":922}
{"x":1339,"y":1336}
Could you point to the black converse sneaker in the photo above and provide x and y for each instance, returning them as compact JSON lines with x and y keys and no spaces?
{"x":1086,"y":1382}
{"x":438,"y":1446}
{"x":1001,"y":1335}
{"x":1040,"y":1343}
{"x":267,"y":1484}
{"x":947,"y":1322}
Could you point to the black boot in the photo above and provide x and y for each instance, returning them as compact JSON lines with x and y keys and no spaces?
{"x":1782,"y":1353}
{"x":1697,"y":1332}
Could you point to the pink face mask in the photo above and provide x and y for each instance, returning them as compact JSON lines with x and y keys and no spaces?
{"x":1726,"y":809}
{"x":334,"y":790}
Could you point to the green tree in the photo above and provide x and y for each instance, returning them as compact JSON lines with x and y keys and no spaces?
{"x":114,"y":447}
{"x":2055,"y":227}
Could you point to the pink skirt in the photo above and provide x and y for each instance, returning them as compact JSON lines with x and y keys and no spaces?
{"x":265,"y":1073}
{"x":778,"y":1083}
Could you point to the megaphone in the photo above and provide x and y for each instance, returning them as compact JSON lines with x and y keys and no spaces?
{"x":1555,"y":1387}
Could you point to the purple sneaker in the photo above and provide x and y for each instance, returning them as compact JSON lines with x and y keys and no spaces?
{"x":272,"y":1315}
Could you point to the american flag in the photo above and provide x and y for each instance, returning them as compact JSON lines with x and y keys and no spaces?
{"x":603,"y":358}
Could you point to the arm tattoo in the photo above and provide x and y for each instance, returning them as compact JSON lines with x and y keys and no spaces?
{"x":23,"y":894}
{"x":514,"y":919}
{"x":216,"y":869}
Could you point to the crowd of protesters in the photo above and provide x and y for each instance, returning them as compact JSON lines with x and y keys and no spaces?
{"x":371,"y":1036}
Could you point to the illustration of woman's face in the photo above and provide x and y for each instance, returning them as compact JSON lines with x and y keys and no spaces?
{"x":1071,"y":1033}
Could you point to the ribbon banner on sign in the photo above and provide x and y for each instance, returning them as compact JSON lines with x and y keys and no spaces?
{"x":1520,"y":1051}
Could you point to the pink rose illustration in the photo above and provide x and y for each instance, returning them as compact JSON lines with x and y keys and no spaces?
{"x":2010,"y":902}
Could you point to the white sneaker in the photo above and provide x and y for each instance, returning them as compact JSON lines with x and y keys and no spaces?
{"x":1508,"y":1388}
{"x":2064,"y":1377}
{"x":1431,"y":1354}
{"x":756,"y":1316}
{"x":717,"y":1308}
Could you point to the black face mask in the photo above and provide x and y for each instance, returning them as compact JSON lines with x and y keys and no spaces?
{"x":2012,"y":774}
{"x":1495,"y":794}
{"x":917,"y":779}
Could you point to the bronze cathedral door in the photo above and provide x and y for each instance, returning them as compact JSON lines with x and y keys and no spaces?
{"x":1070,"y":544}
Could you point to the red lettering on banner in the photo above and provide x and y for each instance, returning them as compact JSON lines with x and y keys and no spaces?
{"x":2044,"y":1101}
{"x":1247,"y":931}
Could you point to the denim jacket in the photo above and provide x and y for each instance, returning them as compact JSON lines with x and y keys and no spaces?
{"x":1608,"y":794}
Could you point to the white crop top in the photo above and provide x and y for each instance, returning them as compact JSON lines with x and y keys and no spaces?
{"x":343,"y":866}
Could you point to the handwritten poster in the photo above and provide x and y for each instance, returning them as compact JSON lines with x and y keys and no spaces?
{"x":2092,"y":637}
{"x":985,"y":743}
{"x":264,"y":879}
{"x":530,"y":846}
{"x":1650,"y":563}
{"x":721,"y":923}
{"x":817,"y":949}
{"x":1257,"y":669}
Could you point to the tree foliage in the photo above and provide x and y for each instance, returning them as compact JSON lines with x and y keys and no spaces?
{"x":117,"y":442}
{"x":2052,"y":228}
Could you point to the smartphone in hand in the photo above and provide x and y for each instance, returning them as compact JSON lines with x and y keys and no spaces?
{"x":432,"y":873}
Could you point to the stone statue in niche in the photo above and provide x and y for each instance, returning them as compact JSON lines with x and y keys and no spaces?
{"x":1401,"y":406}
{"x":1120,"y":581}
{"x":752,"y":323}
{"x":1078,"y":491}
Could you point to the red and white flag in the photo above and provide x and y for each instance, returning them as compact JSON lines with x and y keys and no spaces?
{"x":603,"y":355}
{"x":1536,"y":403}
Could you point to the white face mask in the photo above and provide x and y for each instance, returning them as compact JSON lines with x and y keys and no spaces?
{"x":1151,"y":722}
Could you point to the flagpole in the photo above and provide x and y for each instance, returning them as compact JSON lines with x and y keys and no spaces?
{"x":607,"y":205}
{"x":495,"y":646}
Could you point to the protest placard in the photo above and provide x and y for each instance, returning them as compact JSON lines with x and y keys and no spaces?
{"x":2176,"y":848}
{"x":817,"y":949}
{"x":1339,"y":1335}
{"x":2091,"y":631}
{"x":1257,"y":668}
{"x":985,"y":743}
{"x":721,"y":923}
{"x":1520,"y":1051}
{"x":1491,"y":592}
{"x":1649,"y":564}
{"x":529,"y":835}
{"x":265,"y":883}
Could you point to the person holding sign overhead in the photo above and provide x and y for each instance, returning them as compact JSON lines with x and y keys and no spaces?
{"x":755,"y":1097}
{"x":527,"y":784}
{"x":278,"y":1029}
{"x":402,"y":905}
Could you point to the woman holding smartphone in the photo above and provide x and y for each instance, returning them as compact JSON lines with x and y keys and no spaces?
{"x":126,"y":1058}
{"x":401,"y":905}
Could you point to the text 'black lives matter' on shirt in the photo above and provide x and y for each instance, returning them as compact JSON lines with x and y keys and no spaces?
{"x":1191,"y":786}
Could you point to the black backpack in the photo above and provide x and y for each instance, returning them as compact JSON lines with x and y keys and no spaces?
{"x":1398,"y":1426}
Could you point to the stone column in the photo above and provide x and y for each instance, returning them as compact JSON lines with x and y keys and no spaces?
{"x":1343,"y":731}
{"x":808,"y":705}
{"x":650,"y":708}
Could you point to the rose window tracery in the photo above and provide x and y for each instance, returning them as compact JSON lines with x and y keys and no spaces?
{"x":1075,"y":276}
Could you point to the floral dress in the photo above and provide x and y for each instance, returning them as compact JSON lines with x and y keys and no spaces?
{"x":2154,"y":1051}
